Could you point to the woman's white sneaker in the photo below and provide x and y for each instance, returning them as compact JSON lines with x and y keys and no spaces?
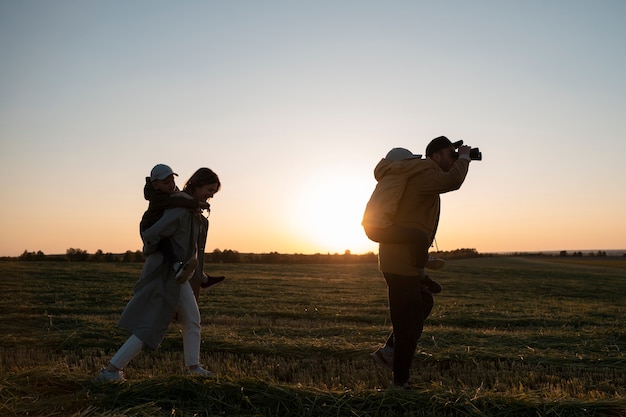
{"x":106,"y":376}
{"x":200,"y":371}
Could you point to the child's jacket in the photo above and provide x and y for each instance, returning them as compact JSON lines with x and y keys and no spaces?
{"x":392,"y":178}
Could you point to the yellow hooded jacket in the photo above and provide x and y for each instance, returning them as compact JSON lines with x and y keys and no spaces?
{"x":407,"y":194}
{"x":392,"y":178}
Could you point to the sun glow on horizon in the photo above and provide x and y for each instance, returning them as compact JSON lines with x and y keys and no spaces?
{"x":328,"y":211}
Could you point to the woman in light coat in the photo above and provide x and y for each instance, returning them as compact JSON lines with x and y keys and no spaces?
{"x":156,"y":296}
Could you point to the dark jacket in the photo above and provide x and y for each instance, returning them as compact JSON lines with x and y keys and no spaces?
{"x":160,"y":201}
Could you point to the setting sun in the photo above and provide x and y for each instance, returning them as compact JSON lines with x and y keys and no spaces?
{"x":327,"y":213}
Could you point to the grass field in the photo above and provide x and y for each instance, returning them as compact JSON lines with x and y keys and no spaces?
{"x":507,"y":337}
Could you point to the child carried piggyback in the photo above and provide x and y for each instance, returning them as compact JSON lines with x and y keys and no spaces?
{"x":160,"y":191}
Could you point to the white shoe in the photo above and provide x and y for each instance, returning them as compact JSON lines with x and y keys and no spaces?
{"x":382,"y":358}
{"x":435,"y":263}
{"x":200,"y":371}
{"x":186,"y":271}
{"x":106,"y":376}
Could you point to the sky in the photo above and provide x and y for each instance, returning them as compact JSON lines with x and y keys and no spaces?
{"x":293,"y":103}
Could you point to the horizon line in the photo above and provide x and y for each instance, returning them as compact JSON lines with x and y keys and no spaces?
{"x":509,"y":252}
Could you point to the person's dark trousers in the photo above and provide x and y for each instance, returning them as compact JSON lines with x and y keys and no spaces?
{"x":166,"y":247}
{"x":427,"y":306}
{"x":407,"y":316}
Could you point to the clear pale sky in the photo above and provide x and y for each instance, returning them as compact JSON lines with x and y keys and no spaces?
{"x":293,"y":103}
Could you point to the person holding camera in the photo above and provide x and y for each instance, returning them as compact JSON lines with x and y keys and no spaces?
{"x":413,"y":207}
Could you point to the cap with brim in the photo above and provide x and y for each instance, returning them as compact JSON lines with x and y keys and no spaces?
{"x":440,"y":143}
{"x":161,"y":172}
{"x":400,"y":154}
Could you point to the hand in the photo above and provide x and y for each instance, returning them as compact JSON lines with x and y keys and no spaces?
{"x":204,"y":205}
{"x":464,"y":150}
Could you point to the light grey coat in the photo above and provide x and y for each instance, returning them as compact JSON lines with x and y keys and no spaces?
{"x":155,"y":296}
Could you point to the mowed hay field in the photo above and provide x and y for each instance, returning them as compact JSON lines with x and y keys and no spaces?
{"x":509,"y":336}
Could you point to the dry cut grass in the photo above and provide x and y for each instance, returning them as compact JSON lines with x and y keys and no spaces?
{"x":508,"y":337}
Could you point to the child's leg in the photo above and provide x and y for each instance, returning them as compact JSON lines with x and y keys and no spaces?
{"x":422,"y":245}
{"x":421,"y":242}
{"x":399,"y":234}
{"x":184,"y":271}
{"x":167,"y":249}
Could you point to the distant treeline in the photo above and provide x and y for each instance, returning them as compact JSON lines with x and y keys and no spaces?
{"x":564,"y":253}
{"x":232,"y":256}
{"x":217,"y":256}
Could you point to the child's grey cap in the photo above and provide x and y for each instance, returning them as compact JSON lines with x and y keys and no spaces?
{"x":160,"y":172}
{"x":399,"y":154}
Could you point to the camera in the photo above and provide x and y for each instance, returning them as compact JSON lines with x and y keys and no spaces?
{"x":475,"y":153}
